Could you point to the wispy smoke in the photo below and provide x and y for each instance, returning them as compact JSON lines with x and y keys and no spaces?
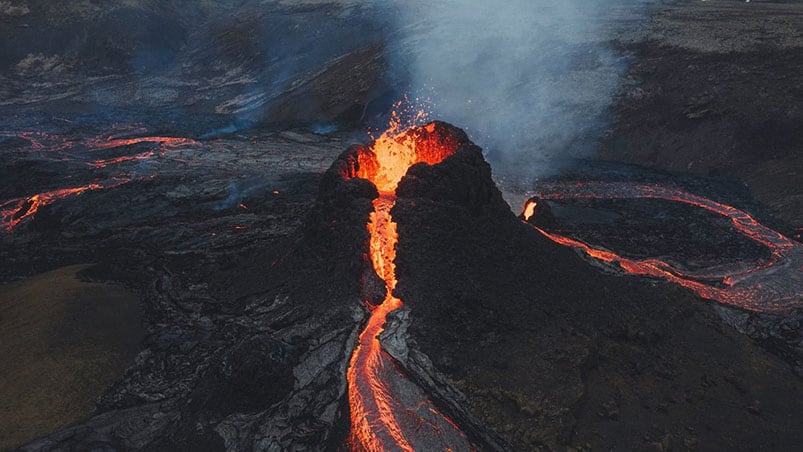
{"x":528,"y":79}
{"x":237,"y":192}
{"x":11,"y":9}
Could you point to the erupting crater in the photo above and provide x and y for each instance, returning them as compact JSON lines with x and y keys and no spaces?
{"x":388,"y":412}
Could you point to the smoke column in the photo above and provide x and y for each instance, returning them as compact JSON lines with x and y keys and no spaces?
{"x":529,"y":79}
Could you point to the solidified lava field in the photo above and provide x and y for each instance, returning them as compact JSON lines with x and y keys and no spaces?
{"x":246,"y":226}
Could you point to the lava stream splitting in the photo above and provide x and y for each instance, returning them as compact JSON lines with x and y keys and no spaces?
{"x":772,"y":286}
{"x":15,"y":211}
{"x":387,"y":411}
{"x":109,"y":143}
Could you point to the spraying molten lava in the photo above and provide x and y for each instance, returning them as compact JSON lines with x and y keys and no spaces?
{"x":772,"y":286}
{"x":383,"y":417}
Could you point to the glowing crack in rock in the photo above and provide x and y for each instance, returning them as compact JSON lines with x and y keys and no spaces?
{"x":44,"y":141}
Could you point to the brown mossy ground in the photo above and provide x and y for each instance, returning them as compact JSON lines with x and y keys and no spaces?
{"x":63,"y":341}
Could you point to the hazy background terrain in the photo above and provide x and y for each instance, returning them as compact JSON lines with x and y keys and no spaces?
{"x":527,"y":79}
{"x":684,"y":85}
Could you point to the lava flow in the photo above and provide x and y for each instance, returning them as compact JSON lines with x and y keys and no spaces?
{"x":387,"y":411}
{"x":109,"y":143}
{"x":18,"y":210}
{"x":772,"y":286}
{"x":103,"y":163}
{"x":43,"y":141}
{"x":15,"y":211}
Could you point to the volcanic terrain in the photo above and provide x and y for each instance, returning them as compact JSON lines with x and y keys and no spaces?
{"x":224,"y":226}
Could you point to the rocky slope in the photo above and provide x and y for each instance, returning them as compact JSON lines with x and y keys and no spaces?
{"x":552,"y":353}
{"x":283,"y":63}
{"x":715,"y":88}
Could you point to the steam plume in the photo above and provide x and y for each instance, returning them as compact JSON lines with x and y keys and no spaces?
{"x":528,"y":79}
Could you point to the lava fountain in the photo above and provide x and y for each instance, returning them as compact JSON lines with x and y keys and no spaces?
{"x":387,"y":411}
{"x":773,"y":286}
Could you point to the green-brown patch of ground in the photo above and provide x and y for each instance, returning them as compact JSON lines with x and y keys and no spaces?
{"x":63,"y":341}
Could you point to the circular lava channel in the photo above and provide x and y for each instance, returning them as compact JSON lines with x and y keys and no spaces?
{"x":773,"y":286}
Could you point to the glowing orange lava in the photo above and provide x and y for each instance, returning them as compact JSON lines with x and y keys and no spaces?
{"x":15,"y":211}
{"x":43,"y":141}
{"x":102,"y":163}
{"x":18,"y":210}
{"x":107,"y":143}
{"x":771,"y":286}
{"x":379,"y":421}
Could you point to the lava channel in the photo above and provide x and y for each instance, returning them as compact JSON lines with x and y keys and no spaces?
{"x":17,"y":210}
{"x":773,"y":286}
{"x":109,"y":143}
{"x":389,"y":412}
{"x":43,"y":141}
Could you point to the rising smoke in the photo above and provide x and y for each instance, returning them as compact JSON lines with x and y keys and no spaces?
{"x":528,"y":79}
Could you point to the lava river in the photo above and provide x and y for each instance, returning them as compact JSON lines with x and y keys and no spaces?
{"x":772,"y":286}
{"x":388,"y":412}
{"x":16,"y":211}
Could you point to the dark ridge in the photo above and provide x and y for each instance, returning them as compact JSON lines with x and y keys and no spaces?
{"x":553,"y":353}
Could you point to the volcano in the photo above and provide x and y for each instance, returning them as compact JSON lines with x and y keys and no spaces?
{"x":413,"y":310}
{"x":235,"y":225}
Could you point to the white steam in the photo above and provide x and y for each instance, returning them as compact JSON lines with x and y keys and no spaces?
{"x":528,"y":79}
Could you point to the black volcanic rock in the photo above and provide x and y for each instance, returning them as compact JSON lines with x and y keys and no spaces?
{"x":236,"y":381}
{"x":265,"y":370}
{"x":461,"y":180}
{"x":719,"y":100}
{"x":286,"y":64}
{"x":249,"y":338}
{"x":550,"y":352}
